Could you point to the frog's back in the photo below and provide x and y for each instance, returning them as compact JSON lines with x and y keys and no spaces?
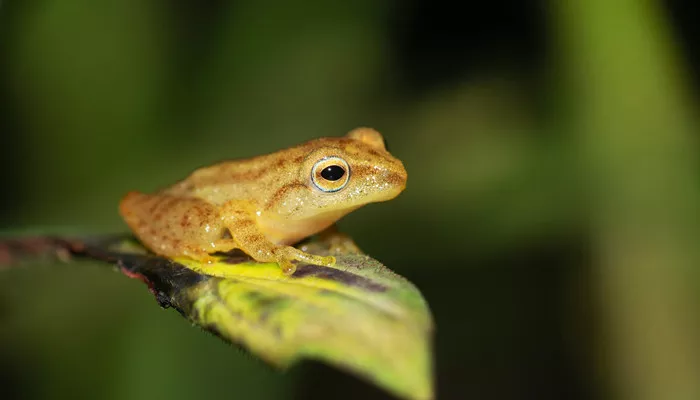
{"x":252,"y":179}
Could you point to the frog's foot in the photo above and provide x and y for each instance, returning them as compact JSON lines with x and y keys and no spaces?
{"x":339,"y":243}
{"x":284,"y":256}
{"x":201,"y":257}
{"x":224,"y":245}
{"x":288,"y":268}
{"x":334,"y":242}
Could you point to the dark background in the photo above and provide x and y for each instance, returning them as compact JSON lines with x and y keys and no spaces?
{"x":549,"y":219}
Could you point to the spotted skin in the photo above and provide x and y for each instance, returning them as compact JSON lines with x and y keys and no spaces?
{"x":265,"y":204}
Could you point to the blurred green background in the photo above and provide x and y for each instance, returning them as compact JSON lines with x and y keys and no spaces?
{"x":551,"y":217}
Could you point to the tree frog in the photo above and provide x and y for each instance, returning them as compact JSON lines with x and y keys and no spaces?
{"x":263,"y":205}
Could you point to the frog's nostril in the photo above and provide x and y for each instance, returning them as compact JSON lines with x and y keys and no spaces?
{"x":397,"y":178}
{"x":401,"y":173}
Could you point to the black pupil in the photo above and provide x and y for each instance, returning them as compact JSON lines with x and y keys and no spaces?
{"x":333,"y":172}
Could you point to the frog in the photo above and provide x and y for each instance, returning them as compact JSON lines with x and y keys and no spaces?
{"x":264,"y":205}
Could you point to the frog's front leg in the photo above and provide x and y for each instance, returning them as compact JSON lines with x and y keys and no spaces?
{"x":239,"y":217}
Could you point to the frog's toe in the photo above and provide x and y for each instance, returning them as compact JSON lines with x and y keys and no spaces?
{"x":324,"y":261}
{"x":328,"y":261}
{"x":201,"y":257}
{"x":288,"y":268}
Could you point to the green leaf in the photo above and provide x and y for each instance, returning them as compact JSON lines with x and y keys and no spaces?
{"x":358,"y":316}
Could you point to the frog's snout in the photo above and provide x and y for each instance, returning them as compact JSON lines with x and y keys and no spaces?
{"x":403,"y":175}
{"x":395,"y":180}
{"x":397,"y":175}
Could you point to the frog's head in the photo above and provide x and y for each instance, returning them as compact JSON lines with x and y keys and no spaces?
{"x":341,"y":174}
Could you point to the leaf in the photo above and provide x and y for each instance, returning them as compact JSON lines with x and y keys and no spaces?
{"x":358,"y":315}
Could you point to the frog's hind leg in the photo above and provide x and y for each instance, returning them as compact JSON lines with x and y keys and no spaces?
{"x":338,"y":242}
{"x":174,"y":226}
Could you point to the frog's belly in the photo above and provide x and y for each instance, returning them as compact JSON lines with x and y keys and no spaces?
{"x":291,"y":232}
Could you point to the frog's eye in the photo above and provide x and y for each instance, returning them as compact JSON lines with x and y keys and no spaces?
{"x":330,"y":174}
